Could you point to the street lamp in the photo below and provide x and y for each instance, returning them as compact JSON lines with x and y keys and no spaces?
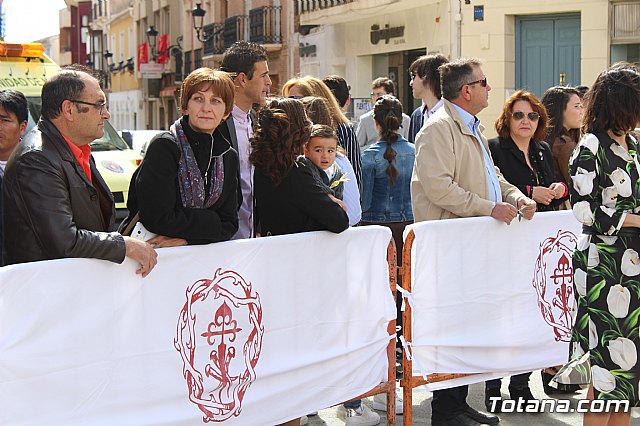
{"x":198,"y":16}
{"x":152,"y":34}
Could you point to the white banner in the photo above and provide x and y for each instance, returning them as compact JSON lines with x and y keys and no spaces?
{"x":252,"y":332}
{"x":488,"y":297}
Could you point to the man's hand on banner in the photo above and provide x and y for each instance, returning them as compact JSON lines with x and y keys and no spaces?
{"x":526,"y":208}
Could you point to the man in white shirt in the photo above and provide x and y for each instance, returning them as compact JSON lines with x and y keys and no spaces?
{"x":425,"y":85}
{"x":366,"y":131}
{"x":247,"y":64}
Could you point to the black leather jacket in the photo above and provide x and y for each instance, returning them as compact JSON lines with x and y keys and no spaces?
{"x":51,"y":209}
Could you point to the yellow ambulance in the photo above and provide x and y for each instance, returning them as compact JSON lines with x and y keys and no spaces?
{"x":25,"y":67}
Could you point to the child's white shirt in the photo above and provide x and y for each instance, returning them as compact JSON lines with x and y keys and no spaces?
{"x":331,"y":171}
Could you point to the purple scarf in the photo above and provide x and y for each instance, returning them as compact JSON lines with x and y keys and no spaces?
{"x":190,"y":180}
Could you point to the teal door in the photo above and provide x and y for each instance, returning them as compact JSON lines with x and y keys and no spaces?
{"x":547,"y":52}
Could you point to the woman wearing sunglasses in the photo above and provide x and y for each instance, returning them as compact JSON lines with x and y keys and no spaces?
{"x":521,"y":154}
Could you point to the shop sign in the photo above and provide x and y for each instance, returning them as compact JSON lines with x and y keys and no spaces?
{"x":385,"y":33}
{"x":307,"y":50}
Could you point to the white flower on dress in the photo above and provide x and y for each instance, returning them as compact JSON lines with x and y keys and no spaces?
{"x":593,"y":335}
{"x":618,"y":301}
{"x":621,"y":152}
{"x":575,"y":154}
{"x":583,"y":181}
{"x":608,"y":239}
{"x":593,"y":257}
{"x":610,"y":196}
{"x":623,"y":352}
{"x":582,"y":212}
{"x":577,"y":350}
{"x":603,"y":380}
{"x":590,"y":141}
{"x":608,"y":211}
{"x":583,"y":241}
{"x":622,"y":182}
{"x":580,"y":280}
{"x":630,"y":263}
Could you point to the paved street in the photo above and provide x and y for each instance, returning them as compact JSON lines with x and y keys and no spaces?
{"x":422,"y":409}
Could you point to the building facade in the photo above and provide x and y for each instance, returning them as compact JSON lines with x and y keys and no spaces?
{"x":266,"y":22}
{"x":522,"y":44}
{"x":75,"y":31}
{"x":124,"y":87}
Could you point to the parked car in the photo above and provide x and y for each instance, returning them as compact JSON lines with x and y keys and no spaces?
{"x":116,"y":163}
{"x":139,"y":139}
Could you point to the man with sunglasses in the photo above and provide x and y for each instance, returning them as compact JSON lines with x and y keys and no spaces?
{"x":453,"y":177}
{"x":56,"y":203}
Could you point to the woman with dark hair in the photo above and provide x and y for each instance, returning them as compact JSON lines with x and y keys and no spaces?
{"x":387,"y":166}
{"x":288,"y":200}
{"x":185,"y":190}
{"x":605,"y":195}
{"x":525,"y":161}
{"x":564,"y":108}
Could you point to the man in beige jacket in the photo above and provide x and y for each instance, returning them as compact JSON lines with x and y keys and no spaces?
{"x":453,"y":177}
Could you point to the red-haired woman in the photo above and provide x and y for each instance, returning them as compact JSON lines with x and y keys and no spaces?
{"x":521,"y":154}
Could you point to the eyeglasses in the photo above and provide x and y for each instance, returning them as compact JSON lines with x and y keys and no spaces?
{"x":482,"y":82}
{"x":100,"y":107}
{"x":519,"y":115}
{"x":295,"y":97}
{"x":377,"y":95}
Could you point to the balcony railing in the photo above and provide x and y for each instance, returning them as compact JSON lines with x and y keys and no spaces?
{"x":306,"y":6}
{"x":215,"y":44}
{"x":265,"y":25}
{"x":234,"y":30}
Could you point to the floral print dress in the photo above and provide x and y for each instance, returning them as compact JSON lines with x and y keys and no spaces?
{"x":605,"y":187}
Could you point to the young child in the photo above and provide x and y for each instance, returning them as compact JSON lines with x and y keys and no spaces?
{"x":320,"y":152}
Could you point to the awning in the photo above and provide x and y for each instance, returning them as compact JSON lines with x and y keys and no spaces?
{"x":168,"y":91}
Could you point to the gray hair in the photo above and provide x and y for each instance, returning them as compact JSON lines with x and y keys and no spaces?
{"x":455,"y":74}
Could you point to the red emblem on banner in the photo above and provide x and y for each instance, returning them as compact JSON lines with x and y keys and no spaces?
{"x":219,"y":339}
{"x":553,"y":281}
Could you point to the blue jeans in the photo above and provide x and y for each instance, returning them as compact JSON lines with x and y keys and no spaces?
{"x":519,"y":381}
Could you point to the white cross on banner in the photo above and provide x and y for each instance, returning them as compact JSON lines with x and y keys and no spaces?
{"x":247,"y":332}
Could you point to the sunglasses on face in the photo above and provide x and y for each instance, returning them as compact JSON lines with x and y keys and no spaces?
{"x":482,"y":82}
{"x":519,"y":115}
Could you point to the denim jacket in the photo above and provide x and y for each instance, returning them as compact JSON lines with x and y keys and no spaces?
{"x":383,"y":202}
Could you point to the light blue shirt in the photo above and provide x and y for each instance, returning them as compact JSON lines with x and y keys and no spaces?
{"x":493,"y":185}
{"x":351,"y":194}
{"x":244,"y":132}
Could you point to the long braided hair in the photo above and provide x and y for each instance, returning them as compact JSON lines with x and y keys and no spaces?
{"x":387,"y":112}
